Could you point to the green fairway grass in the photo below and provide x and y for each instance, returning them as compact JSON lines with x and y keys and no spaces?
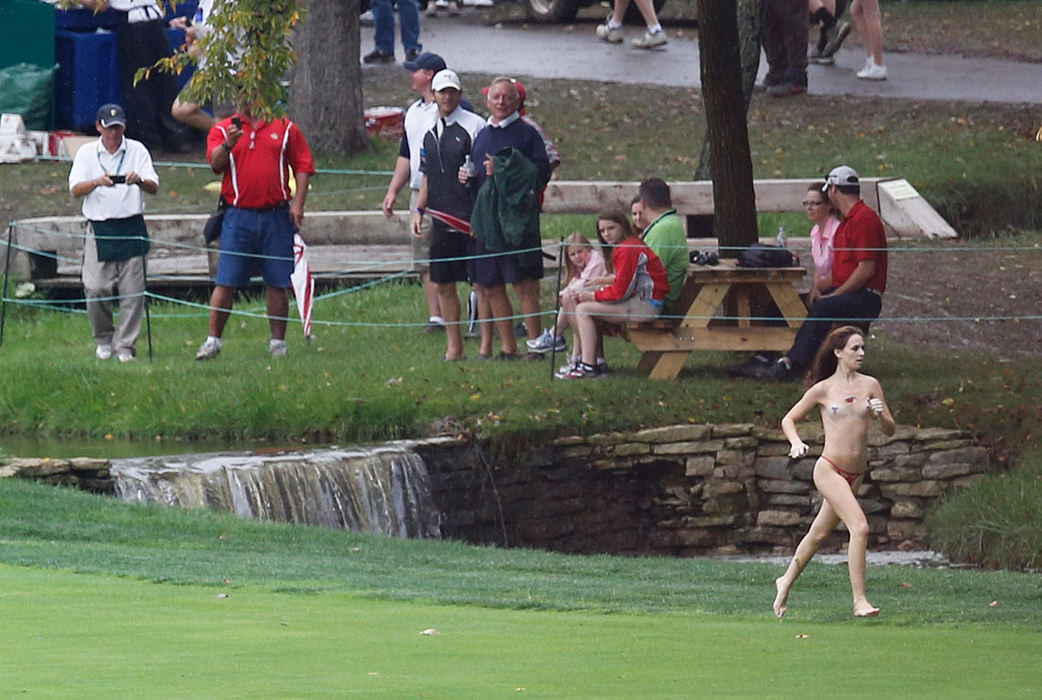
{"x":74,"y":635}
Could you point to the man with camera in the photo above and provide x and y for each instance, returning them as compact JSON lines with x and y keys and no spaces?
{"x":110,"y":175}
{"x":254,"y":156}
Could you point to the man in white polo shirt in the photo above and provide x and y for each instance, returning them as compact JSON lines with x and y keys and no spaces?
{"x":110,"y":175}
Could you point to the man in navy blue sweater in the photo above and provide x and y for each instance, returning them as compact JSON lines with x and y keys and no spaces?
{"x":492,"y":272}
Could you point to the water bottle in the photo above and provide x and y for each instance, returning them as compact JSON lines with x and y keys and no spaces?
{"x":468,"y":167}
{"x":782,"y":240}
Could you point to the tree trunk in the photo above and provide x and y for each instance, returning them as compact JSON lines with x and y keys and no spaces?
{"x":734,"y":200}
{"x":326,"y":96}
{"x":750,"y":19}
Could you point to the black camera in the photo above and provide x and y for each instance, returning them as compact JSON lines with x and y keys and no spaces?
{"x":237,"y":122}
{"x":118,"y":179}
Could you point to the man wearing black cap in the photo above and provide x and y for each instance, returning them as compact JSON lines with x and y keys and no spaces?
{"x":110,"y":175}
{"x":858,"y":276}
{"x":420,"y":117}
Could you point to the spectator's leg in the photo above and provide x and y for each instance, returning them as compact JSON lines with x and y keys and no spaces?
{"x":528,"y":298}
{"x":220,"y":306}
{"x":409,"y":24}
{"x":503,"y":312}
{"x":383,"y":21}
{"x":450,"y":307}
{"x":278,"y":311}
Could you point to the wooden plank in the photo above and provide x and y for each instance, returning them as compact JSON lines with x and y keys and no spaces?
{"x":705,"y":305}
{"x":908,"y":214}
{"x":689,"y":197}
{"x":717,"y":338}
{"x":788,"y":302}
{"x":668,"y":365}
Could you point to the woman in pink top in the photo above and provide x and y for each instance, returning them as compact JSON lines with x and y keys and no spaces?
{"x":820,"y":211}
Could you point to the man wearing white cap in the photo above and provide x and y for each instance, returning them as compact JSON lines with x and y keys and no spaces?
{"x":110,"y":175}
{"x":445,"y":149}
{"x":858,"y":276}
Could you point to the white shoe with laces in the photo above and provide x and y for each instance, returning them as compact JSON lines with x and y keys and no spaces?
{"x":610,"y":34}
{"x":872,"y":71}
{"x":103,"y":352}
{"x":650,"y":40}
{"x":210,"y":349}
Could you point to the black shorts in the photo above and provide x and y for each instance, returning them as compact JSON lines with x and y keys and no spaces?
{"x":493,"y":270}
{"x":451,"y":253}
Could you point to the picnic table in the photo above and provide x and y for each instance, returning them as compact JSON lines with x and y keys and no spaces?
{"x":721,"y":307}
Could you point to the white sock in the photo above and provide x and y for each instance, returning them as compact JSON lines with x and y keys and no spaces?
{"x":213,"y":339}
{"x":654,"y":29}
{"x":612,"y":24}
{"x":437,"y":320}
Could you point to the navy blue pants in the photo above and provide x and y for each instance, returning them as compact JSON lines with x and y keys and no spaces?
{"x":857,"y":308}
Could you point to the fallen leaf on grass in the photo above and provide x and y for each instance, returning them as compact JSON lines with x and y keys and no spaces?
{"x":906,"y":585}
{"x":993,"y":604}
{"x":802,"y":636}
{"x":430,"y":632}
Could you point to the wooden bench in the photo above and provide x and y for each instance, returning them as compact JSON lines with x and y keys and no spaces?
{"x":717,"y":310}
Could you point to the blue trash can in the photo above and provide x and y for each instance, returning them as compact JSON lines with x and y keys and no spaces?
{"x":88,"y":77}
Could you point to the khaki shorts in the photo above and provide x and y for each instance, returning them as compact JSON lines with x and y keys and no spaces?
{"x":421,"y":247}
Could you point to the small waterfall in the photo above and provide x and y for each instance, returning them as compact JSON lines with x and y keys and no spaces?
{"x":382,"y":490}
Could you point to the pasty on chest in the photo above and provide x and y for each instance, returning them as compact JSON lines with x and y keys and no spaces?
{"x":847,"y":404}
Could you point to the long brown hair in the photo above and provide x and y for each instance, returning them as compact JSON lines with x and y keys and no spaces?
{"x":575,"y":240}
{"x":825,"y":362}
{"x":619,"y":217}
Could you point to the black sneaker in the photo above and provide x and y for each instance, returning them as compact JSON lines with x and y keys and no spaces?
{"x":778,"y":371}
{"x":378,"y":56}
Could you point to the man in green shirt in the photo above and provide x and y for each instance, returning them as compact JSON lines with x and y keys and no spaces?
{"x":665,"y":235}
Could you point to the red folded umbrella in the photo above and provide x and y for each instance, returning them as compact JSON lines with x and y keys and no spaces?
{"x":453,"y":222}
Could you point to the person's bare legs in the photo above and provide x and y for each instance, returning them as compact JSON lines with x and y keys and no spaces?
{"x":278,"y":311}
{"x":566,"y":319}
{"x":586,"y":322}
{"x":430,"y":290}
{"x":840,"y":504}
{"x":824,"y":523}
{"x":528,"y":300}
{"x":448,"y":301}
{"x":868,"y":21}
{"x":220,"y":304}
{"x":646,"y":7}
{"x":840,"y":496}
{"x":503,"y":313}
{"x":815,"y":5}
{"x":484,"y":325}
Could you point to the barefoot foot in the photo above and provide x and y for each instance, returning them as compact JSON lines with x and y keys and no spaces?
{"x":780,"y":607}
{"x":865,"y":609}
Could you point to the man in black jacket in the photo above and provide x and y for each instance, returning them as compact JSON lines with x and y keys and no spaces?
{"x":445,"y":149}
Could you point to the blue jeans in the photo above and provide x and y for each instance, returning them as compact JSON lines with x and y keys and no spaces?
{"x":408,"y":20}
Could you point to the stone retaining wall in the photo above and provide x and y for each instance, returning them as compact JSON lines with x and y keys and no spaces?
{"x":678,"y":490}
{"x":689,"y":489}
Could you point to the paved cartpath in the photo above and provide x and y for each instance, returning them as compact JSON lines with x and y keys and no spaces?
{"x":559,"y":52}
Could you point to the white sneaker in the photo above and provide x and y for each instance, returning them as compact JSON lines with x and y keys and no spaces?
{"x":103,"y":352}
{"x":650,"y":41}
{"x":610,"y":34}
{"x":210,"y":349}
{"x":366,"y":18}
{"x":277,"y":348}
{"x":484,"y":3}
{"x":126,"y":356}
{"x":872,"y":72}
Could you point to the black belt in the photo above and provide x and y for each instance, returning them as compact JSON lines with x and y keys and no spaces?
{"x":264,"y":210}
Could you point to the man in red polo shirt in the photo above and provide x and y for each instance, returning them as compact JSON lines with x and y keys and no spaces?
{"x":858,"y":276}
{"x":254,"y":155}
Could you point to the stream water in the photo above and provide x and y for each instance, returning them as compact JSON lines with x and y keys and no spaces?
{"x":381,"y":490}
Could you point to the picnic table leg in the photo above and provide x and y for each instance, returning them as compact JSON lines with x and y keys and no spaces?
{"x":788,"y":302}
{"x":669,"y":365}
{"x":648,"y":360}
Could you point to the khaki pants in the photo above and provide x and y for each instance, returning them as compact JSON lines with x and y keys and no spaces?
{"x":101,"y":279}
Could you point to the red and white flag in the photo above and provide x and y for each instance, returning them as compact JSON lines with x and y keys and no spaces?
{"x":450,"y":220}
{"x":303,"y":284}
